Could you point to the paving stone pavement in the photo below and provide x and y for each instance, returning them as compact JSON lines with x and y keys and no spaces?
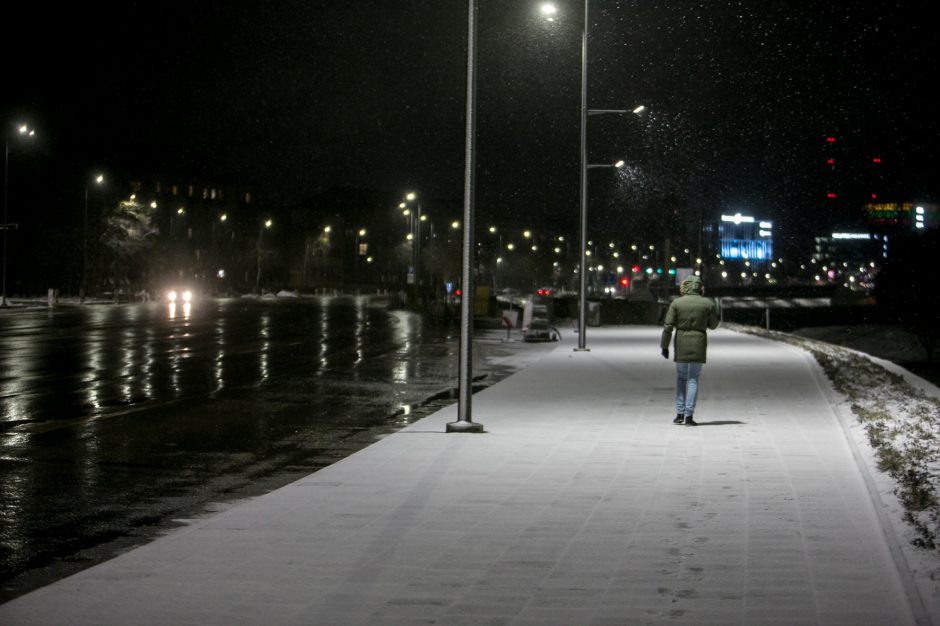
{"x":581,"y":504}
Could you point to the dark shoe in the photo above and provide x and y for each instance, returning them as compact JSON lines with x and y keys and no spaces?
{"x":680,"y":419}
{"x":689,"y":421}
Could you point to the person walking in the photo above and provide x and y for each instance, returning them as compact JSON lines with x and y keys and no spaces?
{"x":691,"y":316}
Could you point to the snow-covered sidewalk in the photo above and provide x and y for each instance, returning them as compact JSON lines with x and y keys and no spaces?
{"x":581,"y":504}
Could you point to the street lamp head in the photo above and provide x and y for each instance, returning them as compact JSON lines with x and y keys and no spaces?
{"x":26,"y":130}
{"x":549,"y":11}
{"x":619,"y":164}
{"x":99,"y":179}
{"x":362,"y":232}
{"x":411,"y":195}
{"x":269,"y":223}
{"x":639,"y":109}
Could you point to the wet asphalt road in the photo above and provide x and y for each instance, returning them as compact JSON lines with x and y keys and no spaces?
{"x":117,"y":422}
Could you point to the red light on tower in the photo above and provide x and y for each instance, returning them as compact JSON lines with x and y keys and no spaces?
{"x":831,"y":196}
{"x":876,"y":160}
{"x":874,"y":196}
{"x":830,"y":139}
{"x":831,"y":161}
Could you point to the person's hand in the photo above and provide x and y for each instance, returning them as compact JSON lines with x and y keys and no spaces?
{"x":665,"y":353}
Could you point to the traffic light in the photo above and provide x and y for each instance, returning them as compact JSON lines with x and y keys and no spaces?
{"x":624,"y":281}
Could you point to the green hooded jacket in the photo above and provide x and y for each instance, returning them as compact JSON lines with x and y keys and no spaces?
{"x":690,"y":315}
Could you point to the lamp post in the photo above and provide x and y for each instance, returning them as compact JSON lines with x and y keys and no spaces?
{"x":99,"y":179}
{"x":414,"y":218}
{"x":358,"y":252}
{"x":549,"y":11}
{"x":465,"y":423}
{"x":265,"y":225}
{"x":5,"y":226}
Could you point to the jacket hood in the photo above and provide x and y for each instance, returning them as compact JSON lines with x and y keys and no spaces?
{"x":692,"y":284}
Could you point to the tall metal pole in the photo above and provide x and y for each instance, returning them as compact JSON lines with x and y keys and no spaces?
{"x":416,"y":249}
{"x":464,"y":423}
{"x":582,"y":271}
{"x":5,"y":225}
{"x":81,"y":291}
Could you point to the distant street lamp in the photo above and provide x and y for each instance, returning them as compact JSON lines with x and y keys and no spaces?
{"x":585,"y":112}
{"x":5,"y":226}
{"x":99,"y":179}
{"x":361,"y":249}
{"x":265,"y":225}
{"x":415,"y":219}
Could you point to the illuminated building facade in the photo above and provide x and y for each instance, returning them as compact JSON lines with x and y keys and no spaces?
{"x":746,"y":238}
{"x":900,"y":217}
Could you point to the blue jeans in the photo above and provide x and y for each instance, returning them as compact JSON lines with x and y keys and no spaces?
{"x":687,"y":375}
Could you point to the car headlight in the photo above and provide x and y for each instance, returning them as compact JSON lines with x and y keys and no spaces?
{"x":171,"y":295}
{"x":187,"y":296}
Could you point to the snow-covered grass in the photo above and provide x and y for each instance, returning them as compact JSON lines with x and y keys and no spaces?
{"x":893,"y":418}
{"x":901,"y":422}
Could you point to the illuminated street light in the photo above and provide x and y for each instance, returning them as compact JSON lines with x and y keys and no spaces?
{"x":5,"y":226}
{"x":415,"y":237}
{"x":264,"y":226}
{"x":99,"y":179}
{"x":585,"y":112}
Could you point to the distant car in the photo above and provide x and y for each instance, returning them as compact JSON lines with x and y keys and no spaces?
{"x":178,"y":294}
{"x":179,"y":301}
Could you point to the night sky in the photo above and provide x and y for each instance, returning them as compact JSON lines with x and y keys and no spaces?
{"x":294,"y":97}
